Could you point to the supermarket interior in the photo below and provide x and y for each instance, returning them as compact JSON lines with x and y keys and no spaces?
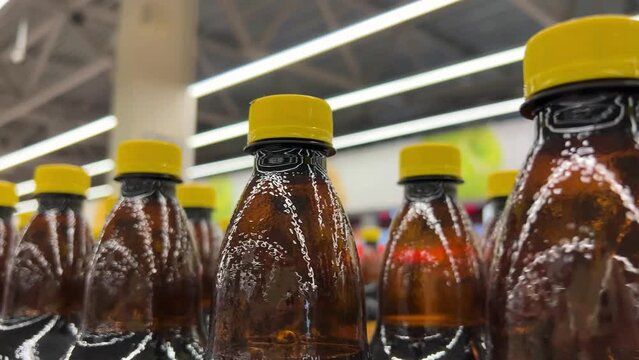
{"x":319,"y":179}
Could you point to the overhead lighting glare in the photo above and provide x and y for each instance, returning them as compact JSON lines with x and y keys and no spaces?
{"x":58,"y":142}
{"x":27,"y":206}
{"x":25,"y":187}
{"x":429,"y":123}
{"x":426,"y":78}
{"x":218,"y":135}
{"x":316,"y":46}
{"x":219,"y":167}
{"x":100,"y":191}
{"x":379,"y":91}
{"x":99,"y":167}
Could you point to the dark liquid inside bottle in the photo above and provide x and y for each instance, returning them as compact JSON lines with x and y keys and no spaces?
{"x":45,"y":286}
{"x":431,"y":290}
{"x":564,"y":284}
{"x":8,"y":241}
{"x":143,"y":288}
{"x":288,"y":283}
{"x":208,"y":239}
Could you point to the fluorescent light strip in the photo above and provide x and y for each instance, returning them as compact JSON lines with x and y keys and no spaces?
{"x":58,"y":142}
{"x":100,"y":191}
{"x":99,"y":167}
{"x":219,"y":167}
{"x":459,"y":117}
{"x":218,"y":135}
{"x":27,"y":206}
{"x":93,"y":169}
{"x":316,"y":46}
{"x":379,"y":91}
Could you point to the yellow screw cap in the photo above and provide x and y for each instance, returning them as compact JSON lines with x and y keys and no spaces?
{"x":429,"y":160}
{"x":148,"y":157}
{"x":24,"y":219}
{"x":61,"y":179}
{"x":595,"y":47}
{"x":196,"y":195}
{"x":501,"y":183}
{"x":371,"y":234}
{"x":290,"y":116}
{"x":8,"y":195}
{"x":102,"y":211}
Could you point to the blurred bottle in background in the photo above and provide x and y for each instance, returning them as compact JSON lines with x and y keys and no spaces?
{"x":499,"y":186}
{"x":102,"y":211}
{"x":44,"y":289}
{"x":198,"y":201}
{"x":431,"y":293}
{"x":371,"y":259}
{"x":288,"y":283}
{"x":23,"y":220}
{"x":143,"y":288}
{"x":8,"y":233}
{"x":564,"y":281}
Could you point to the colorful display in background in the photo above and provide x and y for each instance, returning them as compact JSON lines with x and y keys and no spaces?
{"x":481,"y":155}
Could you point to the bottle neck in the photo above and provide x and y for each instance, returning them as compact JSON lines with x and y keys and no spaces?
{"x":199,"y":213}
{"x":6,"y":213}
{"x":590,"y":112}
{"x":298,"y":158}
{"x":47,"y":202}
{"x":427,"y":190}
{"x":143,"y":184}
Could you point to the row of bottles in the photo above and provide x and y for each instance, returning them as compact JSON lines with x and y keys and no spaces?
{"x":555,"y":277}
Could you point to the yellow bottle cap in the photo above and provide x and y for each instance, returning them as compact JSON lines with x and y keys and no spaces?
{"x":8,"y":195}
{"x":595,"y":47}
{"x":290,"y":116}
{"x":24,"y":219}
{"x":196,"y":195}
{"x":61,"y":179}
{"x":102,"y":211}
{"x":501,"y":183}
{"x":148,"y":157}
{"x":371,"y":234}
{"x":429,"y":160}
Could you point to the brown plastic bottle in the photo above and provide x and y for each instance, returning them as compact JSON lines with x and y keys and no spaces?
{"x":431,"y":295}
{"x":499,"y":186}
{"x":44,"y":287}
{"x":143,"y":287}
{"x":288,"y":282}
{"x":564,"y":282}
{"x":371,"y":255}
{"x":198,"y":201}
{"x":8,"y":238}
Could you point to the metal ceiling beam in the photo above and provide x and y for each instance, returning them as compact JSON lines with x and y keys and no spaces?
{"x":241,"y":32}
{"x":346,"y":52}
{"x":534,"y":10}
{"x":35,"y":100}
{"x":268,"y":35}
{"x":43,"y":57}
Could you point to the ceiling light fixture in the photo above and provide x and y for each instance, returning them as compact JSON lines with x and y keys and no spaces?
{"x":376,"y":92}
{"x":58,"y":142}
{"x":316,"y":46}
{"x":428,"y":123}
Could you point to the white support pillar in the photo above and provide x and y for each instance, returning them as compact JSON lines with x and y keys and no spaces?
{"x":155,"y":61}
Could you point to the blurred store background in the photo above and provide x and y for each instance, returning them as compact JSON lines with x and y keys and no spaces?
{"x":398,"y":72}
